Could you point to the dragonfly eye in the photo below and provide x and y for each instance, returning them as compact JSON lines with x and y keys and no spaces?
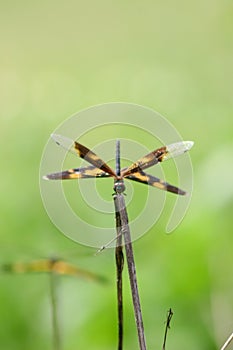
{"x":119,"y":187}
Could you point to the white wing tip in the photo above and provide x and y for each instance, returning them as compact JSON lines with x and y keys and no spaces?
{"x":62,"y":141}
{"x":45,"y":177}
{"x":56,"y":138}
{"x":188,"y":144}
{"x":178,"y":148}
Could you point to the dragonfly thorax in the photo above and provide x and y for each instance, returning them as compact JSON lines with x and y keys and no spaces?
{"x":119,"y":186}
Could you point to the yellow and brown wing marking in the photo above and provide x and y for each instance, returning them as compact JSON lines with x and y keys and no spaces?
{"x":159,"y":155}
{"x":79,"y":173}
{"x":146,"y":161}
{"x":43,"y":265}
{"x":62,"y":267}
{"x":155,"y":182}
{"x":57,"y":266}
{"x":92,"y":158}
{"x":83,"y":152}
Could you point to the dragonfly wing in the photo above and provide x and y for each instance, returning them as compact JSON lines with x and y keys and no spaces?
{"x":155,"y":182}
{"x":159,"y":155}
{"x":57,"y":266}
{"x":25,"y":267}
{"x":62,"y":267}
{"x":79,"y":173}
{"x":82,"y":152}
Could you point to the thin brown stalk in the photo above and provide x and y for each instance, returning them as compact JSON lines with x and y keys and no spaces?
{"x":119,"y":202}
{"x":119,"y":269}
{"x":168,"y":322}
{"x":119,"y":263}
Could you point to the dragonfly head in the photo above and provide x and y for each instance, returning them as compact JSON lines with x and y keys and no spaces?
{"x":119,"y":186}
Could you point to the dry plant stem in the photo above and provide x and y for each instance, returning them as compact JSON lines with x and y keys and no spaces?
{"x":121,"y":209}
{"x":225,"y":345}
{"x":119,"y":268}
{"x":168,"y":322}
{"x":119,"y":258}
{"x":55,"y":326}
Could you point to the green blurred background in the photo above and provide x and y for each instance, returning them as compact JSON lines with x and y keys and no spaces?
{"x":175,"y":57}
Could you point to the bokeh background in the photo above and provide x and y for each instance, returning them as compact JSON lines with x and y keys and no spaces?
{"x":175,"y":57}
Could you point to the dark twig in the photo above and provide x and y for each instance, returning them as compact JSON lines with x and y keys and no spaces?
{"x":119,"y":202}
{"x":119,"y":259}
{"x":119,"y":268}
{"x":168,"y":323}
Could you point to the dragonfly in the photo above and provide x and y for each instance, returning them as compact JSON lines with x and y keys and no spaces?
{"x":53,"y":267}
{"x":56,"y":266}
{"x":135,"y":172}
